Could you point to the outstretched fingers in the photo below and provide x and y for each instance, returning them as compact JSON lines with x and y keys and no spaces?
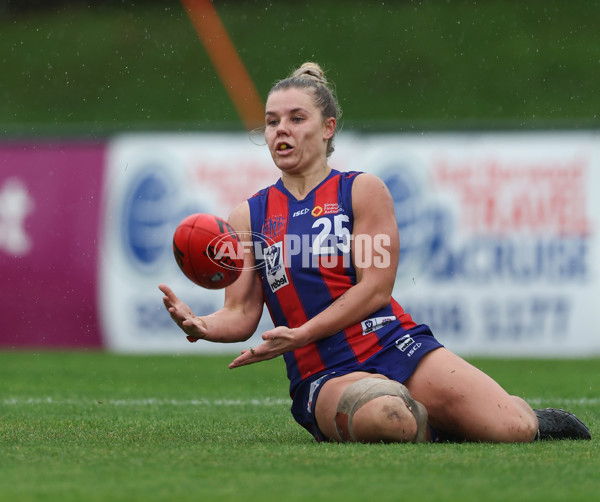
{"x":174,"y":305}
{"x":194,"y":327}
{"x":277,"y":341}
{"x":168,"y":292}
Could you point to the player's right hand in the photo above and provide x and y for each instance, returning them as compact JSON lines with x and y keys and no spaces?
{"x":194,"y":327}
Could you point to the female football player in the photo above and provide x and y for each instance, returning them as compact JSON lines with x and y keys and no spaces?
{"x":323,"y":258}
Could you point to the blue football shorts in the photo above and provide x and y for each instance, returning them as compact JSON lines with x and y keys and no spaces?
{"x":396,"y":361}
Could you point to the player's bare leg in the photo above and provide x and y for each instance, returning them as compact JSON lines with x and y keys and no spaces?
{"x":464,"y":402}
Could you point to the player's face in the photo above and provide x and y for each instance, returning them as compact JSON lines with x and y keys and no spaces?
{"x":295,"y":130}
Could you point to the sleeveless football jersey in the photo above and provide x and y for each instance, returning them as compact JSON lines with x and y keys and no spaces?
{"x":302,"y":250}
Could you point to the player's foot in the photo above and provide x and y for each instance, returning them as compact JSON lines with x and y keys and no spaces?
{"x":560,"y":424}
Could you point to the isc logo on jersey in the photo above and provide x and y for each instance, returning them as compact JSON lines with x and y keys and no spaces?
{"x":300,"y":212}
{"x":275,"y":270}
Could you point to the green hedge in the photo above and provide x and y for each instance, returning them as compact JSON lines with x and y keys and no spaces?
{"x":398,"y":65}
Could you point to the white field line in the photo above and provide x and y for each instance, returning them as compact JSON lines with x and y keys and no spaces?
{"x":146,"y":401}
{"x":264,"y":401}
{"x":561,"y":401}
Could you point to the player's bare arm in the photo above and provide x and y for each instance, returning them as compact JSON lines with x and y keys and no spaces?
{"x":243,"y":305}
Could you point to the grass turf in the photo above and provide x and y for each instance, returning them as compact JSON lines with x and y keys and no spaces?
{"x":96,"y":426}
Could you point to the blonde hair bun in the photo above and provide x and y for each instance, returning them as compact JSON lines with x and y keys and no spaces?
{"x":311,"y":71}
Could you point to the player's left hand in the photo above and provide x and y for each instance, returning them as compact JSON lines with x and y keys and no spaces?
{"x":277,"y":341}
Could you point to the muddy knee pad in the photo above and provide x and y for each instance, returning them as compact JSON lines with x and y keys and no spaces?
{"x":362,"y":391}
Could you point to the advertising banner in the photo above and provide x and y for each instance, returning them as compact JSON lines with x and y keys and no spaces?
{"x":499,"y":237}
{"x":49,"y":210}
{"x":152,"y":183}
{"x":498,"y":233}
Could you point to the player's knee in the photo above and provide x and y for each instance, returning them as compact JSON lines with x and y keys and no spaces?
{"x":517,"y":428}
{"x":526,"y":428}
{"x":375,"y":409}
{"x":386,"y":419}
{"x":520,"y":422}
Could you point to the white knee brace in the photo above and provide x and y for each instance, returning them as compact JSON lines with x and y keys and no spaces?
{"x":366,"y":389}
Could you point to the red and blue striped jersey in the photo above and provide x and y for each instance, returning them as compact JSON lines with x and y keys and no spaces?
{"x":302,"y":250}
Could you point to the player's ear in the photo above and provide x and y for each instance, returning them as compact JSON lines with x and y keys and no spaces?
{"x":329,"y":128}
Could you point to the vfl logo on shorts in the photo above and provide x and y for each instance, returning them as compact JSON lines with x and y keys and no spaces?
{"x":275,"y":269}
{"x":373,"y":324}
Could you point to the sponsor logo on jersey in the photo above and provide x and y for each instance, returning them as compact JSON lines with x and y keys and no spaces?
{"x":375,"y":323}
{"x":332,"y":208}
{"x":327,"y":208}
{"x":275,"y":269}
{"x":301,"y":212}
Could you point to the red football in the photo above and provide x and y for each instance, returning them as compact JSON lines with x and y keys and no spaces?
{"x":208,"y":251}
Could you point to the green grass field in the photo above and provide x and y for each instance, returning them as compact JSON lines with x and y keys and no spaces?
{"x":96,"y":426}
{"x":98,"y":68}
